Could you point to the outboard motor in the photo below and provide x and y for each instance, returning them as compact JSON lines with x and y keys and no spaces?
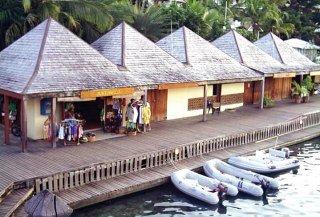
{"x":287,"y":152}
{"x":222,"y":190}
{"x":265,"y":186}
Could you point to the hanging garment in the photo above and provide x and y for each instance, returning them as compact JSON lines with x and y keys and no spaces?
{"x":61,"y":132}
{"x":45,"y":131}
{"x":74,"y":132}
{"x":80,"y":132}
{"x":140,"y":120}
{"x":135,"y":115}
{"x":130,"y":113}
{"x":146,"y":113}
{"x":69,"y":137}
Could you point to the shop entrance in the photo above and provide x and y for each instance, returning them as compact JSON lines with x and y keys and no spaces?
{"x":88,"y":111}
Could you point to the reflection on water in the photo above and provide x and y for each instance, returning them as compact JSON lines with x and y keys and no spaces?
{"x":299,"y":195}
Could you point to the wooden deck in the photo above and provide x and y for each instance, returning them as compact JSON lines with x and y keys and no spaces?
{"x":41,"y":160}
{"x":122,"y":185}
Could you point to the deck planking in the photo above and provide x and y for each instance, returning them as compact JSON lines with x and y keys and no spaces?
{"x":41,"y":160}
{"x":122,"y":185}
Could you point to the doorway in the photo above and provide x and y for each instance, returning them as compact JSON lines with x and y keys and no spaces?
{"x":158,"y":103}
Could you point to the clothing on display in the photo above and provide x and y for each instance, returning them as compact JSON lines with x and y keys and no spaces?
{"x":70,"y":130}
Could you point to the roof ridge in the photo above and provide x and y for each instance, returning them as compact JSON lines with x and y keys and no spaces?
{"x":275,"y":44}
{"x":237,"y":44}
{"x":123,"y":44}
{"x":185,"y":44}
{"x":36,"y":68}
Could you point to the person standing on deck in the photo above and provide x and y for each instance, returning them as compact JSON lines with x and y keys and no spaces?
{"x":146,"y":115}
{"x":132,"y":116}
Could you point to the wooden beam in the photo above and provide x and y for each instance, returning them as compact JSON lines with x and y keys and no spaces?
{"x":52,"y":121}
{"x":23,"y":123}
{"x":6,"y":120}
{"x":262,"y":93}
{"x":205,"y":98}
{"x":300,"y":79}
{"x":11,"y":94}
{"x":177,"y":85}
{"x":144,"y":104}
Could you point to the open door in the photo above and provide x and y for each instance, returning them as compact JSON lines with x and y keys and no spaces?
{"x":248,"y":95}
{"x":158,"y":103}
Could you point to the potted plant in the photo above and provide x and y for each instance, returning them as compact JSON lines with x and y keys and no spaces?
{"x":305,"y":94}
{"x":308,"y":84}
{"x":296,"y":92}
{"x":268,"y":102}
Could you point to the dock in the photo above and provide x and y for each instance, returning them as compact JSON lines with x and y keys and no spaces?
{"x":91,"y":173}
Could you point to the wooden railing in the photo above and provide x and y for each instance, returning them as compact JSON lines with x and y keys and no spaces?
{"x":103,"y":171}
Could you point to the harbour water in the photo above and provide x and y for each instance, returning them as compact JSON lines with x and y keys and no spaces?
{"x":299,"y":195}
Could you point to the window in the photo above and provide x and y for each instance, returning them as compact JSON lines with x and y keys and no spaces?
{"x":216,"y":89}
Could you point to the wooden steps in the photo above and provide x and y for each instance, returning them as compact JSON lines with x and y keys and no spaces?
{"x":5,"y":191}
{"x":13,"y":200}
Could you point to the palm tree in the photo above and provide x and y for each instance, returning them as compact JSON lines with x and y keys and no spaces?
{"x":85,"y":18}
{"x":264,"y":15}
{"x":149,"y":21}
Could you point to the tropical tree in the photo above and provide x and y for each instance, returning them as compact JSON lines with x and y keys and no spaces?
{"x":85,"y":18}
{"x":305,"y":16}
{"x":264,"y":16}
{"x":149,"y":21}
{"x":196,"y":16}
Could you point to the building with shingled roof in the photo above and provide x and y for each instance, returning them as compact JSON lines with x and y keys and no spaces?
{"x":278,"y":77}
{"x":49,"y":64}
{"x":148,"y":63}
{"x":284,"y":53}
{"x":224,"y":75}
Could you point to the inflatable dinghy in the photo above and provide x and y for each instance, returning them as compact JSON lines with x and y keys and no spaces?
{"x":201,"y":187}
{"x":211,"y":169}
{"x":247,"y":175}
{"x":273,"y":162}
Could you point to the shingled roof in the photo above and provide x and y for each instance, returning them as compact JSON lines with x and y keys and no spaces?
{"x":208,"y":62}
{"x":143,"y":59}
{"x":284,"y":53}
{"x":241,"y":49}
{"x":50,"y":58}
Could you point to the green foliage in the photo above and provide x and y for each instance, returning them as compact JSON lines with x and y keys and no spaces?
{"x":308,"y":84}
{"x":299,"y":90}
{"x":89,"y":19}
{"x":268,"y":102}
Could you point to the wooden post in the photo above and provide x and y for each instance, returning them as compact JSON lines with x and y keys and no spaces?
{"x":23,"y":122}
{"x":144,"y":104}
{"x":6,"y":120}
{"x":300,"y":79}
{"x":262,"y":92}
{"x":205,"y":98}
{"x":52,"y":122}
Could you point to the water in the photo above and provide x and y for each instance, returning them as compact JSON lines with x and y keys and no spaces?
{"x":299,"y":195}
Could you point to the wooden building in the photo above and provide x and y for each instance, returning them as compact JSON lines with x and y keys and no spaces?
{"x":51,"y":63}
{"x":278,"y":77}
{"x":222,"y":76}
{"x":284,"y":53}
{"x":142,"y":59}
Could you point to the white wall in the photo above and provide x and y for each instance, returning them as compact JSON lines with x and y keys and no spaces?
{"x":228,"y":89}
{"x":35,"y":120}
{"x":177,"y":105}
